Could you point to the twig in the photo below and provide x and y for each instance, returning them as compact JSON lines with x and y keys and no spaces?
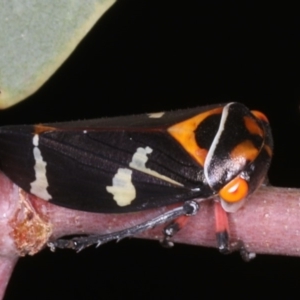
{"x":268,"y":223}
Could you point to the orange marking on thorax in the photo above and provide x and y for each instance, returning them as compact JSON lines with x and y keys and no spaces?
{"x":184,"y":133}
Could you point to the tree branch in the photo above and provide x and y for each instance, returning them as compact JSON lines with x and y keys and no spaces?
{"x":268,"y":223}
{"x":265,"y":224}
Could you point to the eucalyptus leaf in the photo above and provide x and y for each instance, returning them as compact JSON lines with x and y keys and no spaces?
{"x":36,"y":37}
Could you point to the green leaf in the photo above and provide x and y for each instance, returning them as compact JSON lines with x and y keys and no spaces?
{"x":36,"y":37}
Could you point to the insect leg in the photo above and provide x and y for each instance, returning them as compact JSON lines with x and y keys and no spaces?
{"x":222,"y":229}
{"x":171,"y":229}
{"x":222,"y":235}
{"x":80,"y":243}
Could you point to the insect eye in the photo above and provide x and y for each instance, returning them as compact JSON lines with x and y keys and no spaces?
{"x":260,"y":115}
{"x":234,"y":191}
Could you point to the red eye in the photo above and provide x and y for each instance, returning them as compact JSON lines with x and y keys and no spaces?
{"x":235,"y":190}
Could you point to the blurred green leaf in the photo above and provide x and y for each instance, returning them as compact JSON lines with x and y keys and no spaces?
{"x":36,"y":37}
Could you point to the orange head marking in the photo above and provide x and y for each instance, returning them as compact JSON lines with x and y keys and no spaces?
{"x":269,"y":150}
{"x":260,"y":115}
{"x":245,"y":150}
{"x":234,"y":191}
{"x":252,"y":126}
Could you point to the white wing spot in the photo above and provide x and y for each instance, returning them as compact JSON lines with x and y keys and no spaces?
{"x":139,"y":160}
{"x":40,"y":184}
{"x":156,"y":115}
{"x":122,"y":189}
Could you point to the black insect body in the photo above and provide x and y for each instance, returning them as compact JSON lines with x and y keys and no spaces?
{"x":126,"y":164}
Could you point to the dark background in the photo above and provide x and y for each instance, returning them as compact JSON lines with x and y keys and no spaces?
{"x":146,"y":57}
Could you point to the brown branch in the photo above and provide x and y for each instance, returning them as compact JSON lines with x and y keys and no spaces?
{"x":268,"y":223}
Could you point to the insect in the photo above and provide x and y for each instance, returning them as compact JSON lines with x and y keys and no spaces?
{"x":127,"y":164}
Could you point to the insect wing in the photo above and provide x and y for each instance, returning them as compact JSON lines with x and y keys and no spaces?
{"x":107,"y":165}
